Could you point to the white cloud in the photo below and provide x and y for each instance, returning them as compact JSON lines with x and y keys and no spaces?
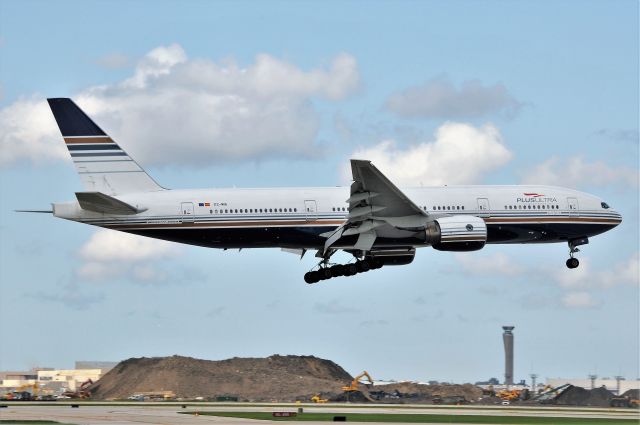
{"x":576,"y":172}
{"x":578,"y":299}
{"x":27,"y":130}
{"x":110,"y":254}
{"x":460,"y":154}
{"x":474,"y":264}
{"x":439,"y":98}
{"x":623,"y":273}
{"x":110,"y":245}
{"x":178,"y":110}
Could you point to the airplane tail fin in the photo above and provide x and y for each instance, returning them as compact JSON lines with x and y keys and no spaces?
{"x":102,"y":164}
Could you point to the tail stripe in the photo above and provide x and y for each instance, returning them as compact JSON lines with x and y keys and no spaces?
{"x":75,"y":155}
{"x":88,"y":139}
{"x":94,"y":147}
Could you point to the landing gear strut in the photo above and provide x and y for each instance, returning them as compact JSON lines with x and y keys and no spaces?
{"x":573,"y":262}
{"x":325,"y":271}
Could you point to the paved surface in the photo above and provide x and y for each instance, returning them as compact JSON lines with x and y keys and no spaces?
{"x":168,"y":414}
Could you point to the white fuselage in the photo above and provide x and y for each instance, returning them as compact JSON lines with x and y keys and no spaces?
{"x":296,"y":217}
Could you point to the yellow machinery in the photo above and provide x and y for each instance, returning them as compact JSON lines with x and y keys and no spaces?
{"x":355,"y":384}
{"x":509,"y":395}
{"x":33,"y":387}
{"x":316,"y":399}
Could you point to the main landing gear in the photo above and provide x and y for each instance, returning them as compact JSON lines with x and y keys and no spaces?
{"x":325,"y":272}
{"x":573,"y":262}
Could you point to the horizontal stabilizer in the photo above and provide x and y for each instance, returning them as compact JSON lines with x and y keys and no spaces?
{"x":101,"y":203}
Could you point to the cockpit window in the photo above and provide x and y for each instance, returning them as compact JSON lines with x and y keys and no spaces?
{"x":604,"y":205}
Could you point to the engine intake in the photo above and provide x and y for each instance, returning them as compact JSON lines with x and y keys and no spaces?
{"x":457,"y":233}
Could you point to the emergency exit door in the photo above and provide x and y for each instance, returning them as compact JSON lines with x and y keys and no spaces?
{"x":483,"y":207}
{"x":310,"y":209}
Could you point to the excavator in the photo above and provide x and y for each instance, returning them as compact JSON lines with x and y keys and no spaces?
{"x":83,"y":392}
{"x":358,"y":386}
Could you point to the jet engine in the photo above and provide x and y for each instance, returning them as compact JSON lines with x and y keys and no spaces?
{"x":457,"y":233}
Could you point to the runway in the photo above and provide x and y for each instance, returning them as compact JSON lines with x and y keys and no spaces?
{"x":168,"y":414}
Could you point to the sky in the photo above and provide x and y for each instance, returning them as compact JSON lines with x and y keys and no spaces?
{"x":283,"y":94}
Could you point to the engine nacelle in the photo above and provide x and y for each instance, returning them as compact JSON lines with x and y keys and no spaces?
{"x":457,"y":233}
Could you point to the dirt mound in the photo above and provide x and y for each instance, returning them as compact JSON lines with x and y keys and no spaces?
{"x":578,"y":396}
{"x":422,"y":392}
{"x":275,"y":378}
{"x":632,"y":394}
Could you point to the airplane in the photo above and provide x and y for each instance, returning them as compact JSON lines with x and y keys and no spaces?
{"x":376,"y":222}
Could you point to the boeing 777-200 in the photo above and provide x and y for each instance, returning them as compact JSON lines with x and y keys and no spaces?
{"x":375,"y":221}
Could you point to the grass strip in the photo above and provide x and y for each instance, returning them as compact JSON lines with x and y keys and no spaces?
{"x":427,"y":418}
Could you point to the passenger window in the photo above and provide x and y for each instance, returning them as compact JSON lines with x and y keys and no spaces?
{"x":463,"y":207}
{"x":295,"y":210}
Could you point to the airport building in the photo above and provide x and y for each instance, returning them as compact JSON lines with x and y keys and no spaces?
{"x":53,"y":381}
{"x":617,"y":385}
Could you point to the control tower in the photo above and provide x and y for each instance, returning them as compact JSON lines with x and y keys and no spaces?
{"x":507,"y":338}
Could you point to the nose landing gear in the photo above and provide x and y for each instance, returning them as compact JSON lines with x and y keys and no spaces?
{"x":572,"y":262}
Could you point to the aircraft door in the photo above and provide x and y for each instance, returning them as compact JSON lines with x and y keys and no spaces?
{"x":483,"y":207}
{"x":310,"y":209}
{"x":573,"y":206}
{"x":186,"y":210}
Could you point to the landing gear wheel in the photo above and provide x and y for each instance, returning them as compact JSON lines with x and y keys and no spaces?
{"x":337,"y":270}
{"x":572,"y":263}
{"x":363,"y":266}
{"x":311,"y":277}
{"x":351,"y":269}
{"x":325,"y":273}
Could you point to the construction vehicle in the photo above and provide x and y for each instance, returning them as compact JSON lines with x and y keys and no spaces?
{"x":357,"y":386}
{"x":83,"y":392}
{"x":316,"y":399}
{"x":509,"y":395}
{"x":21,"y":394}
{"x":622,"y":401}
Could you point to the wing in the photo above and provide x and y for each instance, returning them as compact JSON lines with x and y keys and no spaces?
{"x":375,"y":204}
